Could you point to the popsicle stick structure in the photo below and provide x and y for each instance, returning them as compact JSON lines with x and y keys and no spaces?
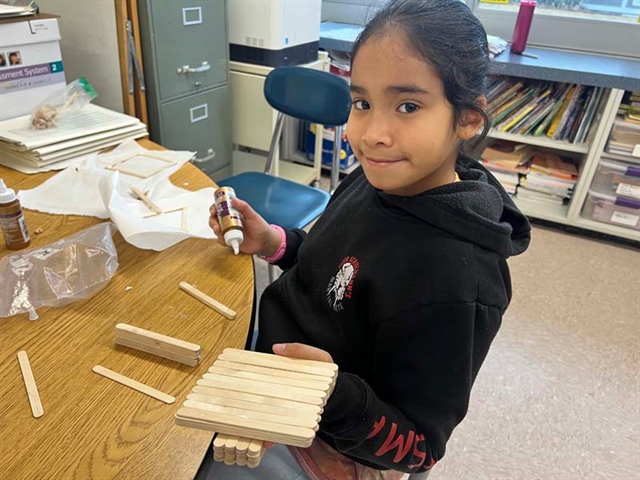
{"x":158,"y":344}
{"x":234,"y":450}
{"x":251,"y":397}
{"x":127,"y":165}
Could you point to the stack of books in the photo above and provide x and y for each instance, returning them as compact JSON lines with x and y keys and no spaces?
{"x":559,"y":111}
{"x":90,"y":130}
{"x":507,"y":161}
{"x":625,"y":134}
{"x":550,"y":181}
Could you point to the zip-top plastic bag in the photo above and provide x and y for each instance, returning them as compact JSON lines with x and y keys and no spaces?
{"x":65,"y":101}
{"x":60,"y":273}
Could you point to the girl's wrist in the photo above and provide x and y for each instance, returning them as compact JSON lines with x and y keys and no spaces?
{"x":275,"y":245}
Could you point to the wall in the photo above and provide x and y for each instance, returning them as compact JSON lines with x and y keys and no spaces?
{"x":89,"y":45}
{"x":349,"y":11}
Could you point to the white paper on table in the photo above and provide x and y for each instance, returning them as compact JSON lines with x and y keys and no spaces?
{"x":9,"y":161}
{"x":162,"y":231}
{"x":76,"y":190}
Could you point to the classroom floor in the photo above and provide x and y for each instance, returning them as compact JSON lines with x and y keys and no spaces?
{"x":559,"y":394}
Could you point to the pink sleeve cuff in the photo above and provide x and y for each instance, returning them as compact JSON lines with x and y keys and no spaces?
{"x":281,"y":249}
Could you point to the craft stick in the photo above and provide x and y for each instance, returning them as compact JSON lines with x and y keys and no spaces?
{"x":231,"y":443}
{"x":243,"y":445}
{"x":158,"y":340}
{"x":219,"y":441}
{"x":260,"y":400}
{"x":207,"y":300}
{"x":183,"y":224}
{"x":133,"y":384}
{"x":258,"y":429}
{"x":256,"y":447}
{"x":260,"y":388}
{"x":30,"y":384}
{"x":147,"y":201}
{"x":241,"y":460}
{"x":128,"y":172}
{"x":278,"y":362}
{"x":191,"y":361}
{"x":170,"y":210}
{"x":324,"y":387}
{"x":267,"y":417}
{"x":255,"y":407}
{"x":122,"y":339}
{"x":273,"y":372}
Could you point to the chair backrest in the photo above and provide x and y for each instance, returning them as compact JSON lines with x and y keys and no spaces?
{"x":307,"y":94}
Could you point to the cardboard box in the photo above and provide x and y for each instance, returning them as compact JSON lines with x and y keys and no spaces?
{"x":347,"y":158}
{"x":30,"y":63}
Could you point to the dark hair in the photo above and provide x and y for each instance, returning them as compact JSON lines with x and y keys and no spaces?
{"x":447,"y":35}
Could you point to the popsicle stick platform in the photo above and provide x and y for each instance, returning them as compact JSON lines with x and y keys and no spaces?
{"x":247,"y":396}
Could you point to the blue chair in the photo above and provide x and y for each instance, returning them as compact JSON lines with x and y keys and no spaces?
{"x":311,"y":95}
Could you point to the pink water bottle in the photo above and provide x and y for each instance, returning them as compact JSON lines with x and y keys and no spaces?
{"x":523,"y":24}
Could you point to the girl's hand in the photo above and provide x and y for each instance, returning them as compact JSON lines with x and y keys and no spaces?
{"x":300,"y":350}
{"x":259,"y":237}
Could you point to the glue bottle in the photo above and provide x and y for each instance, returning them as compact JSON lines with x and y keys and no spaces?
{"x":229,"y":218}
{"x":14,"y":227}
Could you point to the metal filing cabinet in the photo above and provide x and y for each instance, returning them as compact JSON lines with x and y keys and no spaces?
{"x":185,"y":50}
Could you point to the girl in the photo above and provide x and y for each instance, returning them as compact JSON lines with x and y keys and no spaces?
{"x":403,"y":280}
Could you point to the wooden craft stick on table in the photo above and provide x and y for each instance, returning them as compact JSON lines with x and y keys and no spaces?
{"x":133,"y":384}
{"x":147,"y":201}
{"x":207,"y":300}
{"x":30,"y":384}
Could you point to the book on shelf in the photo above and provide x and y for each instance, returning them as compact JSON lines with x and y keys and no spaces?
{"x":559,"y":111}
{"x":551,"y":179}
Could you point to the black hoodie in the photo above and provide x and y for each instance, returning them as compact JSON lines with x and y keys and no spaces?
{"x":406,"y":294}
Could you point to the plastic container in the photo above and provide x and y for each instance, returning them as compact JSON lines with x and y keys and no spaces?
{"x":523,"y":25}
{"x":617,"y":179}
{"x":623,"y":212}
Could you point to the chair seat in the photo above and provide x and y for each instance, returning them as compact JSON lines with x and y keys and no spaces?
{"x":279,"y":201}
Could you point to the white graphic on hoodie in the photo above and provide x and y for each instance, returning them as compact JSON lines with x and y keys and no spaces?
{"x":341,"y":285}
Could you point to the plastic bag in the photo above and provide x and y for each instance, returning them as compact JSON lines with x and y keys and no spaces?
{"x":65,"y":101}
{"x":70,"y":269}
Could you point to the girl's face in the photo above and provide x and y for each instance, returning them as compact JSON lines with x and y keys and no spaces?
{"x":401,"y":125}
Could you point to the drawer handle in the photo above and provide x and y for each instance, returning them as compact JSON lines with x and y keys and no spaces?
{"x":211,"y":154}
{"x":187,"y":69}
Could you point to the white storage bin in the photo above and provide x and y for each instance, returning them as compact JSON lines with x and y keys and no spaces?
{"x":620,"y":211}
{"x":618,"y":179}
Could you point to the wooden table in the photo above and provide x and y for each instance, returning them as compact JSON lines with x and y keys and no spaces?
{"x":94,"y":428}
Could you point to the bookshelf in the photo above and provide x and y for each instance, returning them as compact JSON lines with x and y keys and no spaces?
{"x":539,"y":141}
{"x":587,"y":156}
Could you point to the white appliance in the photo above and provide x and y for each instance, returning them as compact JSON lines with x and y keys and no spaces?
{"x":274,"y":32}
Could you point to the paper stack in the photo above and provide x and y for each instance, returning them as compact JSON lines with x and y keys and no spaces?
{"x":550,"y":181}
{"x":507,"y":161}
{"x":90,"y":130}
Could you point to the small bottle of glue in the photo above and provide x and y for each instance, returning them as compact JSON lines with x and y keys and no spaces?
{"x":14,"y":228}
{"x":229,"y":218}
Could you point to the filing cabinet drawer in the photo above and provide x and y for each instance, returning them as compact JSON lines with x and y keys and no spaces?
{"x":200,"y":123}
{"x":190,"y":49}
